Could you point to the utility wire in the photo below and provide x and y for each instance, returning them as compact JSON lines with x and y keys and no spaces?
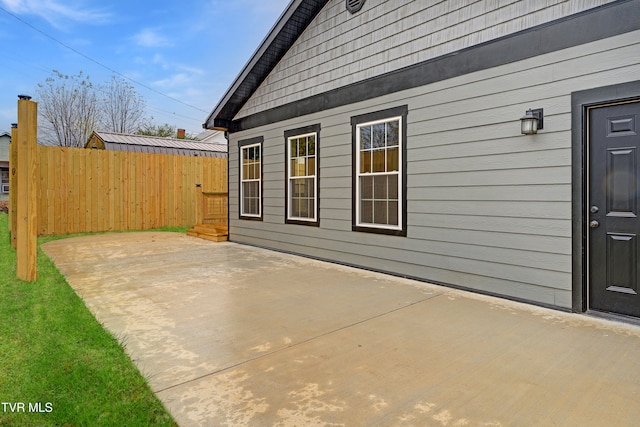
{"x":98,"y":62}
{"x":97,"y":88}
{"x":173,"y":113}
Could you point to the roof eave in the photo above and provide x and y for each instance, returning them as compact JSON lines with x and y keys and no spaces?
{"x":276,"y":44}
{"x":209,"y":123}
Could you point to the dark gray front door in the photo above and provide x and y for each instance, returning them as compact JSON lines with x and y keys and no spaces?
{"x":614,"y":226}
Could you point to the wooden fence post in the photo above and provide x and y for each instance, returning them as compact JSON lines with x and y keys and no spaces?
{"x":13,"y":161}
{"x":26,"y":173}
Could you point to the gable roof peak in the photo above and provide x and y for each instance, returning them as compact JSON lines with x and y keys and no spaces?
{"x":290,"y":25}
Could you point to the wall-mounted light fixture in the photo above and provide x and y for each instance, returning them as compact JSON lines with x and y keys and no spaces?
{"x":532,"y":121}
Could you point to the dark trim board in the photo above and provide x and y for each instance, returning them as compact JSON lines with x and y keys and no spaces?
{"x":243,"y":143}
{"x":288,"y":134}
{"x":580,"y":102}
{"x":605,"y":21}
{"x":250,"y":141}
{"x":403,"y":112}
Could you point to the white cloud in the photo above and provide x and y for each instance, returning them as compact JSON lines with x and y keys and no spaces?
{"x":148,"y":37}
{"x":179,"y":79}
{"x":176,"y":66}
{"x":184,"y":76}
{"x":191,"y":70}
{"x":159,"y":59}
{"x":57,"y":13}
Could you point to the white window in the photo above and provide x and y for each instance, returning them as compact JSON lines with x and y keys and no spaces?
{"x":379,"y":199}
{"x":251,"y":179}
{"x":302,"y":176}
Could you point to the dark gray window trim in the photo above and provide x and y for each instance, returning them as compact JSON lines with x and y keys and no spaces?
{"x":288,"y":134}
{"x":604,"y":21}
{"x":580,"y":102}
{"x":402,"y":111}
{"x":243,"y":143}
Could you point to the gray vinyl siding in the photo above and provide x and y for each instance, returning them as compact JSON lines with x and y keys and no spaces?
{"x":488,"y":209}
{"x":339,"y":48}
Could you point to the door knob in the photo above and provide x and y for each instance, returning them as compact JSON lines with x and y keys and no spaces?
{"x":594,"y":224}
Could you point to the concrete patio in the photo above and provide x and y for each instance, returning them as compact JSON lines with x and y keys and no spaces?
{"x":231,"y":335}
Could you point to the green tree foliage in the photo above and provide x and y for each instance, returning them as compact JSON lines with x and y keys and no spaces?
{"x":164,"y":131}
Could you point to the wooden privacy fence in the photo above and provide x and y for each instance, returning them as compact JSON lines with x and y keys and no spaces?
{"x":82,"y":190}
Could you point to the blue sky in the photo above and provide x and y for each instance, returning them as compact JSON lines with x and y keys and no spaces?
{"x":188,"y":50}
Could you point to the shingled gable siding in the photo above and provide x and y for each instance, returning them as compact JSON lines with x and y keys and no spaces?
{"x":339,"y":48}
{"x":488,"y":208}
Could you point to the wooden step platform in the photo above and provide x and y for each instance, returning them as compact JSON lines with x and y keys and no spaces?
{"x":215,"y":233}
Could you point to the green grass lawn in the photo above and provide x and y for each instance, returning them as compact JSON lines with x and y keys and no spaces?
{"x":58,"y":366}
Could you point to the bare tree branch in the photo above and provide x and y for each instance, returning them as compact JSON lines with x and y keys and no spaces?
{"x":123,"y":109}
{"x":69,"y":109}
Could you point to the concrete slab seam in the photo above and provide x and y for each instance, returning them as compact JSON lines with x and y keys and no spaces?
{"x":262,"y":356}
